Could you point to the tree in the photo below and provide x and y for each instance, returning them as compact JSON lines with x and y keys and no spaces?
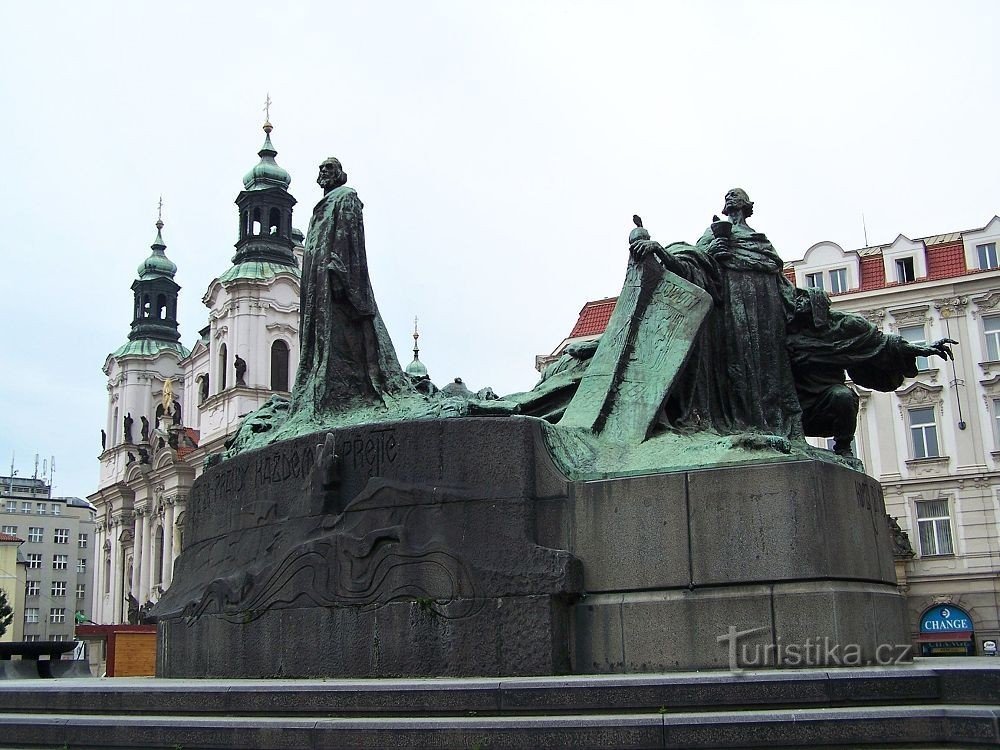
{"x":6,"y":612}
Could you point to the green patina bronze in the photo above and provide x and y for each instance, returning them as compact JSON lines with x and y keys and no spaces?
{"x":710,"y":357}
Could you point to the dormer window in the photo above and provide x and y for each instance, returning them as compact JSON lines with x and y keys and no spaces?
{"x":838,"y":280}
{"x":987,"y":256}
{"x":814,"y":280}
{"x":904,"y":270}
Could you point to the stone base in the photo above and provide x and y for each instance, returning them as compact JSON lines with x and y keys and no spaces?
{"x":455,"y":547}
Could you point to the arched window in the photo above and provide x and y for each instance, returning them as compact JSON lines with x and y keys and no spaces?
{"x":245,"y":224}
{"x":279,"y":366}
{"x":256,"y":221}
{"x":107,"y":574}
{"x":145,"y":305}
{"x":223,"y":364}
{"x":158,"y":555}
{"x":274,"y":222}
{"x":161,"y":306}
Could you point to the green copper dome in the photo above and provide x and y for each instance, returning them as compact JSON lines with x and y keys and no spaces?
{"x":416,"y":369}
{"x":267,"y":173}
{"x":157,"y":264}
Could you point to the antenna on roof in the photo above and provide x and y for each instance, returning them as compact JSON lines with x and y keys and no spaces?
{"x":864,"y":227}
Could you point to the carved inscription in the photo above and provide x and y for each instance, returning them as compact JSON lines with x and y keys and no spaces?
{"x":236,"y":477}
{"x":370,"y":453}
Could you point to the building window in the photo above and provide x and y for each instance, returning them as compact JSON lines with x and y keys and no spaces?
{"x":996,"y":420}
{"x":40,"y":508}
{"x":26,"y":507}
{"x":31,"y":614}
{"x":814,"y":280}
{"x":904,"y":270}
{"x":34,"y":560}
{"x":916,"y":335}
{"x":987,"y":256}
{"x":32,"y":637}
{"x":279,"y":366}
{"x":81,"y":565}
{"x":81,"y":591}
{"x":56,"y":509}
{"x":934,"y":528}
{"x":107,"y":575}
{"x":923,"y":432}
{"x":57,"y":614}
{"x":32,"y":588}
{"x":838,"y":280}
{"x":35,"y":533}
{"x":12,"y":506}
{"x":59,"y":562}
{"x":59,"y":637}
{"x":61,"y":536}
{"x":991,"y":327}
{"x":81,"y":541}
{"x":59,"y":588}
{"x":10,"y":530}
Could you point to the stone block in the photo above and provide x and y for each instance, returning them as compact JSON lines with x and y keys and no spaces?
{"x":681,"y":629}
{"x":631,"y":534}
{"x":785,"y":521}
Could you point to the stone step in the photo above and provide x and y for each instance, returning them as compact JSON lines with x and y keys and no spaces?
{"x":911,"y":726}
{"x":963,"y":681}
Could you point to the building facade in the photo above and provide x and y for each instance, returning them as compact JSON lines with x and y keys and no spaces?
{"x":55,"y":559}
{"x":934,"y":443}
{"x":169,"y":407}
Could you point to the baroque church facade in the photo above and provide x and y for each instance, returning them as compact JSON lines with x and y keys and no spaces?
{"x":169,"y":407}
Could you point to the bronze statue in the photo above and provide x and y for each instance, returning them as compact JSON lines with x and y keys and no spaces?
{"x":770,"y":358}
{"x":144,"y":431}
{"x":347,"y":359}
{"x":127,"y":424}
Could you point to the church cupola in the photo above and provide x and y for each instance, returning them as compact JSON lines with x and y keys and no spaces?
{"x":265,"y":207}
{"x":156,"y":295}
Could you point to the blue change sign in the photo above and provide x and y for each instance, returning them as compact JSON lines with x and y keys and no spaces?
{"x":945,"y":619}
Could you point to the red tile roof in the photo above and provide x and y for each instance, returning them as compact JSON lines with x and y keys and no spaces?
{"x":9,"y":538}
{"x":945,"y":261}
{"x":872,"y":272}
{"x":594,"y":317}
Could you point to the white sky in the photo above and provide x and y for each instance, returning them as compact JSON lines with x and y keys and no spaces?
{"x":500,"y":150}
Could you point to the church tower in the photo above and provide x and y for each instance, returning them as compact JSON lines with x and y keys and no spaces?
{"x":145,"y":371}
{"x":265,"y":209}
{"x":156,"y":291}
{"x":249,"y":349}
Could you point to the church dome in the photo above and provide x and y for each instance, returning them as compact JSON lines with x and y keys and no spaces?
{"x":267,"y":173}
{"x":157,"y":264}
{"x":416,"y":369}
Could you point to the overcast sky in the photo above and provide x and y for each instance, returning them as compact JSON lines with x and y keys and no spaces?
{"x":500,"y":150}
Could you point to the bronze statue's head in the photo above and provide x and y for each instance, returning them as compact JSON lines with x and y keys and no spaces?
{"x":737,"y":199}
{"x":331,"y":174}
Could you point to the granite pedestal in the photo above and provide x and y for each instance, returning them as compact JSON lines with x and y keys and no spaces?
{"x":457,"y":547}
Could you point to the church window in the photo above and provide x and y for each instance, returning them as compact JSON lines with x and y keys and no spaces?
{"x":145,"y":305}
{"x":245,"y":225}
{"x":107,"y":574}
{"x":274,"y":222}
{"x":279,"y":366}
{"x":158,"y":556}
{"x":222,"y":368}
{"x":161,"y":306}
{"x":256,"y":221}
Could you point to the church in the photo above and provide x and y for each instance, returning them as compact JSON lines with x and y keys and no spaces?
{"x":170,"y":406}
